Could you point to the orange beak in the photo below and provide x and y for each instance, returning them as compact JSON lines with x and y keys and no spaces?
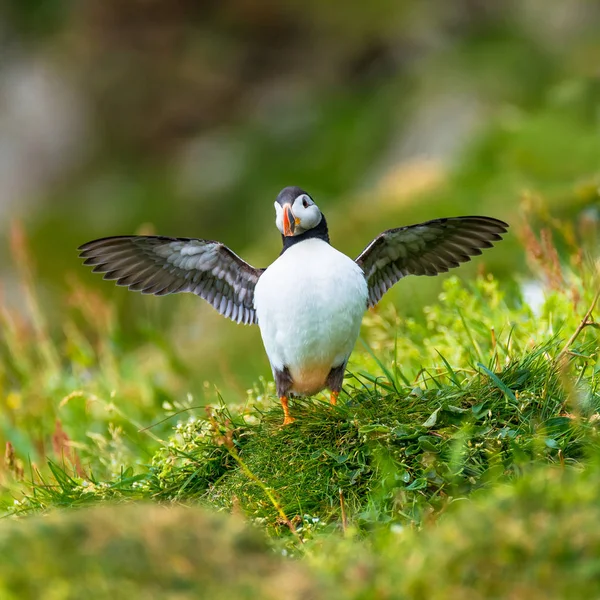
{"x":289,"y":222}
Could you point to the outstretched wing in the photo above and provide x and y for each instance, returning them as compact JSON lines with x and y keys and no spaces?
{"x":163,"y":265}
{"x":425,"y":249}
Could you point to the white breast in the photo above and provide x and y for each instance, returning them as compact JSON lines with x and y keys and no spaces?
{"x":310,"y":304}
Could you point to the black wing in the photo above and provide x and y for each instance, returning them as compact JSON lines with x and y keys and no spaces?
{"x":163,"y":265}
{"x":425,"y":249}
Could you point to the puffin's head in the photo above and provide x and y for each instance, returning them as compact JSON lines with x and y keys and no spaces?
{"x":296,"y":212}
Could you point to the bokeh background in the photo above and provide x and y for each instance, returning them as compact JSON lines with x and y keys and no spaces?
{"x":186,"y":118}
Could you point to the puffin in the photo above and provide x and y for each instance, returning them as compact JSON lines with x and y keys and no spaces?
{"x":309,"y":303}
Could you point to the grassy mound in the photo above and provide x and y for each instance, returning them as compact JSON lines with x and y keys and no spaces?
{"x":142,"y":551}
{"x":482,"y":386}
{"x":382,"y":454}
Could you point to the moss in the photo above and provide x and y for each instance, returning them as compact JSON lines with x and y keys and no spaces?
{"x":538,"y":538}
{"x":535,"y":539}
{"x":142,"y":551}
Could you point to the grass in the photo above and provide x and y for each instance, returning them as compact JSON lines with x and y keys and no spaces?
{"x":458,"y":433}
{"x":388,"y":453}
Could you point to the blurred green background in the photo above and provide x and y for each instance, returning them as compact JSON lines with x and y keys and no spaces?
{"x":185,"y":118}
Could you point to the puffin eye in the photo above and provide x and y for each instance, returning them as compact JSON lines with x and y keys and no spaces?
{"x":304,"y":202}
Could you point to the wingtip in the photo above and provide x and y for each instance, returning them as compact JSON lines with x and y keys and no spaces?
{"x":83,"y":247}
{"x":502,"y":224}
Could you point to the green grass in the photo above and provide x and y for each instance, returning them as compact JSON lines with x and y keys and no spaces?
{"x":388,"y":453}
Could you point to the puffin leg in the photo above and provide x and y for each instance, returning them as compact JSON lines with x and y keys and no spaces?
{"x":334,"y":382}
{"x":287,"y":418}
{"x":283,"y":384}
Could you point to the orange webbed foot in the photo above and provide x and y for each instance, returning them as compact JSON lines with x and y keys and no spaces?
{"x":287,"y":418}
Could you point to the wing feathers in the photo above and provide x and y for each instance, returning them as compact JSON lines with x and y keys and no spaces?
{"x":161,"y":265}
{"x":425,"y":249}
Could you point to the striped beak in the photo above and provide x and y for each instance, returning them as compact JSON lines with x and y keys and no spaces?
{"x":289,"y":221}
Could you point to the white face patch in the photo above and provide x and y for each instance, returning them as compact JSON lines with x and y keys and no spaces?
{"x":305,"y":211}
